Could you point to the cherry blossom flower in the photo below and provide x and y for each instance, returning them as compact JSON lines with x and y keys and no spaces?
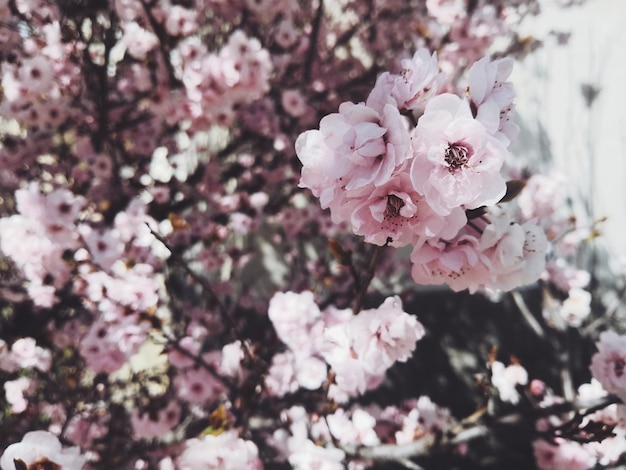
{"x":226,"y":451}
{"x":138,"y":41}
{"x":418,"y":82}
{"x":506,"y":379}
{"x":26,"y":354}
{"x":198,"y":385}
{"x":42,"y":448}
{"x":353,"y":149}
{"x":516,"y":253}
{"x":355,"y":430}
{"x":149,"y":426}
{"x":576,"y":308}
{"x":457,"y":163}
{"x":608,"y":365}
{"x":16,"y":392}
{"x":563,"y":454}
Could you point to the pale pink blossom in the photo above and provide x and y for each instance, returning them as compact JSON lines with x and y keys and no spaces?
{"x":491,"y":97}
{"x":16,"y":392}
{"x":232,"y":355}
{"x":244,"y":67}
{"x":459,"y":263}
{"x":396,"y":214}
{"x":198,"y":386}
{"x":309,"y":456}
{"x":418,"y":82}
{"x":7,"y":362}
{"x":281,"y":376}
{"x":364,"y":347}
{"x":576,"y":308}
{"x":457,"y":162}
{"x":180,"y":21}
{"x":100,"y":350}
{"x":190,"y":346}
{"x":225,"y":451}
{"x":86,"y":427}
{"x":148,"y":426}
{"x":26,"y":354}
{"x":516,"y":253}
{"x":506,"y":379}
{"x":293,"y":315}
{"x":608,"y":365}
{"x":544,"y":196}
{"x":566,"y":276}
{"x":355,"y":430}
{"x":36,"y":74}
{"x":385,"y":335}
{"x":423,"y":417}
{"x":562,"y":454}
{"x":285,"y":34}
{"x":138,"y":41}
{"x":310,"y":371}
{"x":40,"y":447}
{"x":293,"y":103}
{"x":354,"y":149}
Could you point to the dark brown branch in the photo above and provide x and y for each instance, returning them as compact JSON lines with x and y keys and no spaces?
{"x":371,"y":271}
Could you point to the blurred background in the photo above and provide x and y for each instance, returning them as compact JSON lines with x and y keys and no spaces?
{"x":572,"y":108}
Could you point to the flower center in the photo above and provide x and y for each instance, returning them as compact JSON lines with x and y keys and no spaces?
{"x":456,"y":156}
{"x":394,"y":204}
{"x":620,"y":364}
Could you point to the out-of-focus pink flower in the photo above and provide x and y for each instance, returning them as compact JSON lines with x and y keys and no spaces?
{"x":40,"y":447}
{"x":27,"y":354}
{"x":308,"y":456}
{"x":576,"y":307}
{"x":226,"y":451}
{"x":361,"y":349}
{"x":608,"y":365}
{"x":293,"y":315}
{"x":516,"y":253}
{"x":138,"y":41}
{"x":293,"y":103}
{"x":491,"y":97}
{"x":506,"y":378}
{"x":145,"y":427}
{"x":419,"y":81}
{"x":562,"y":454}
{"x":198,"y":386}
{"x":180,"y":21}
{"x":355,"y":430}
{"x":281,"y":377}
{"x":16,"y":391}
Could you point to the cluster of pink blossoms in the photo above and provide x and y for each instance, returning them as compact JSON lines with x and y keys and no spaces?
{"x":581,"y":452}
{"x":358,"y":348}
{"x":310,"y":441}
{"x":432,"y":186}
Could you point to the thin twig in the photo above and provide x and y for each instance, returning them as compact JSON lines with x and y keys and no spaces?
{"x":527,"y":314}
{"x":313,"y":39}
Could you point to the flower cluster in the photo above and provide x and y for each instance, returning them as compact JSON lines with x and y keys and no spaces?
{"x":434,"y":186}
{"x":358,"y":348}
